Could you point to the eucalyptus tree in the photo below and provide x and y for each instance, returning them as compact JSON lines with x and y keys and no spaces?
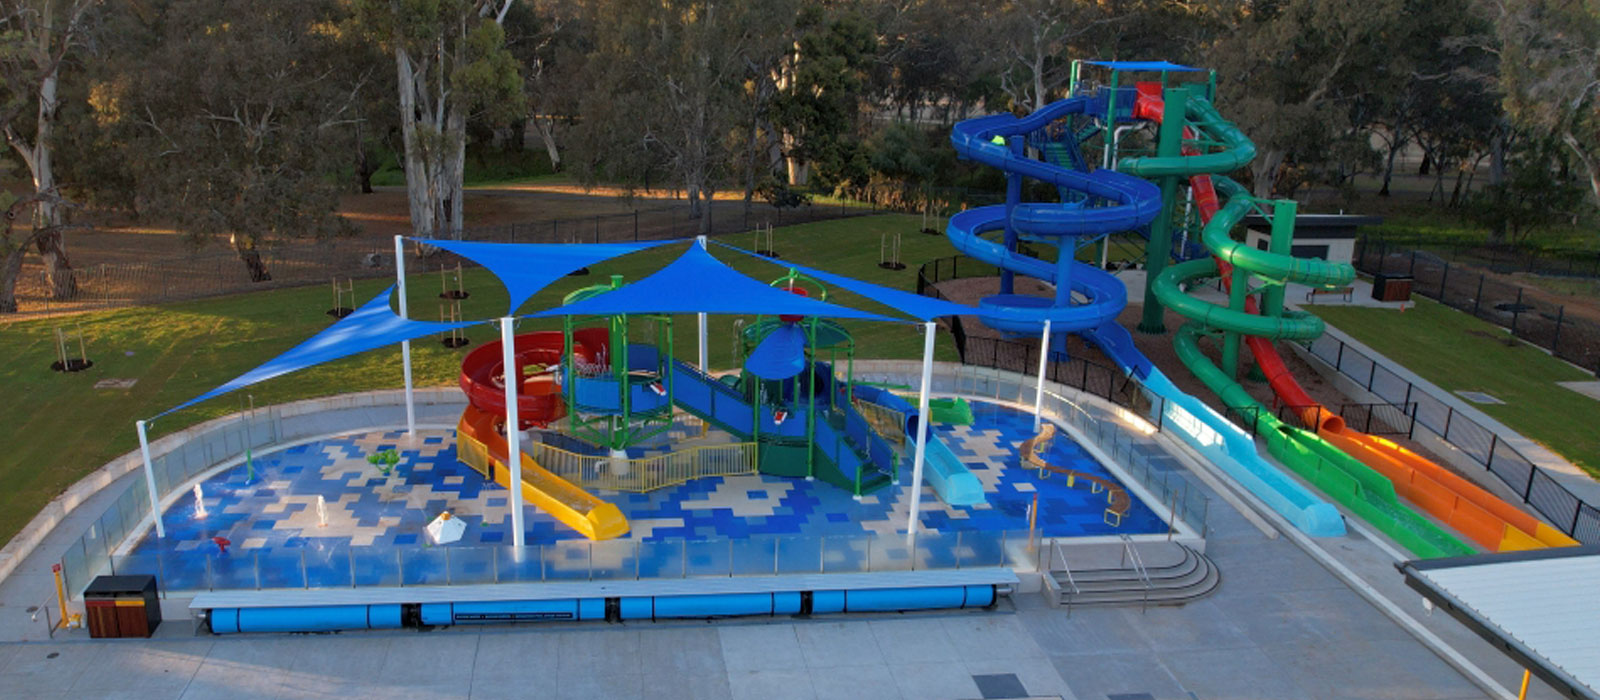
{"x":451,"y":65}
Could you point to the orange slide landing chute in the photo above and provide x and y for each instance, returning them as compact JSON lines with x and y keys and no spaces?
{"x":1459,"y":503}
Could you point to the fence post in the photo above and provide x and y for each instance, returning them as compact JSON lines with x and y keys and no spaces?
{"x":1527,"y":489}
{"x":1516,"y":313}
{"x":1555,"y":341}
{"x":1477,"y":299}
{"x":1577,"y":510}
{"x":1412,"y":270}
{"x":1372,"y":372}
{"x":1449,"y":416}
{"x":636,"y":226}
{"x":1494,"y":441}
{"x":1442,"y":277}
{"x":1338,"y":360}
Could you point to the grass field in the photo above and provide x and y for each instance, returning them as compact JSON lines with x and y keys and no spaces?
{"x":1460,"y":352}
{"x":57,"y":427}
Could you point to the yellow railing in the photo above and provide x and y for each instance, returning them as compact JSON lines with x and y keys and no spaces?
{"x":647,"y":473}
{"x":889,"y":423}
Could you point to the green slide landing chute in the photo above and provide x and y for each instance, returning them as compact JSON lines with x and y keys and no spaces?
{"x":1354,"y":485}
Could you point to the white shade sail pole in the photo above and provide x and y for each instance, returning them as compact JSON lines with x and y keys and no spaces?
{"x":405,"y":345}
{"x":511,"y":378}
{"x":922,"y":435}
{"x":1044,"y":363}
{"x":705,"y":348}
{"x":150,"y":479}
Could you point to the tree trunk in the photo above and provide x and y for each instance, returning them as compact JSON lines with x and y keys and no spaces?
{"x":419,"y":181}
{"x":1591,"y":164}
{"x":245,"y":246}
{"x":1266,"y":173}
{"x":1497,"y":157}
{"x":47,"y":217}
{"x":547,"y":133}
{"x":1396,"y":142}
{"x":10,"y":270}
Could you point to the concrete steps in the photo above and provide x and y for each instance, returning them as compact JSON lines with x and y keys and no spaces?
{"x":1165,"y":573}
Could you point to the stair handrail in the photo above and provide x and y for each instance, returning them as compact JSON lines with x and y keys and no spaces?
{"x":1131,"y":553}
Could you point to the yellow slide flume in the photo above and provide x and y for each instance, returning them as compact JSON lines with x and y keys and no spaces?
{"x":479,"y":445}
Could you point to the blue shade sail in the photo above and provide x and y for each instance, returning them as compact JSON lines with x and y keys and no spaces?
{"x":908,"y":303}
{"x":526,"y":268}
{"x":781,"y":355}
{"x":699,"y":283}
{"x":1145,"y":66}
{"x":372,"y":326}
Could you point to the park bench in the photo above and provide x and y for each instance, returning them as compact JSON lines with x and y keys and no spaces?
{"x":1345,"y":292}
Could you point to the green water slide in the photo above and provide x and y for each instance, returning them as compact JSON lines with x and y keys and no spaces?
{"x":1215,"y":146}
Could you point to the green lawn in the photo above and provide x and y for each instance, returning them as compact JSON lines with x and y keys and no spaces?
{"x":57,"y":427}
{"x":1459,"y":352}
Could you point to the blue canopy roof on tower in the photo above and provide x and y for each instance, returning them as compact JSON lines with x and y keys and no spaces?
{"x":914,"y":305}
{"x":699,"y":283}
{"x":526,"y":268}
{"x":1144,"y":65}
{"x":372,"y":326}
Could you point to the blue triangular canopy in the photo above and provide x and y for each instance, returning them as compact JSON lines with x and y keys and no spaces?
{"x":1144,"y":65}
{"x":914,"y":305}
{"x":699,"y":283}
{"x":781,"y":355}
{"x":372,"y":326}
{"x":526,"y":268}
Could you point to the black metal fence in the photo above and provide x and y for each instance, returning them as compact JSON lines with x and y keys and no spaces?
{"x":1559,"y":506}
{"x":1504,"y":259}
{"x":1468,"y":288}
{"x":294,"y":262}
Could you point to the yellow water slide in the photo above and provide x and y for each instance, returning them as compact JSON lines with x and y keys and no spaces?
{"x":480,"y":445}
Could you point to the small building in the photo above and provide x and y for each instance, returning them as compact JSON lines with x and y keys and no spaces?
{"x":1331,"y":237}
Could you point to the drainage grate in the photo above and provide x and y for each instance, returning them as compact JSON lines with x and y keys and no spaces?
{"x":1478,"y":397}
{"x":1000,"y":685}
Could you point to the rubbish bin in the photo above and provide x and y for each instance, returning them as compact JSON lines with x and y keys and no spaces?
{"x":1391,"y":287}
{"x":122,"y":606}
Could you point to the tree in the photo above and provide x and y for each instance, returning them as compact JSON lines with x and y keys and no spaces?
{"x":232,"y":117}
{"x":1533,"y":197}
{"x":38,"y":36}
{"x":451,"y":64}
{"x":1037,"y":39}
{"x":816,"y":106}
{"x":1550,"y":72}
{"x":669,"y":79}
{"x":1289,"y":68}
{"x":551,"y":42}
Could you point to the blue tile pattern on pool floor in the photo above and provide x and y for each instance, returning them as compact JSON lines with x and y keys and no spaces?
{"x":275,"y":515}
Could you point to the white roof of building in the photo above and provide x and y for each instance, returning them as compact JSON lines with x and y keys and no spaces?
{"x":1540,"y":606}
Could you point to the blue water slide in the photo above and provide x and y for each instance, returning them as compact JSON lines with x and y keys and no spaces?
{"x":1113,"y":202}
{"x":949,"y":476}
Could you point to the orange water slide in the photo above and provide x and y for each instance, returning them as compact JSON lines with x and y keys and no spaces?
{"x":1459,"y":503}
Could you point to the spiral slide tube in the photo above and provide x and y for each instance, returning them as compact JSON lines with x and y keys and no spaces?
{"x":1130,"y":203}
{"x":1472,"y":511}
{"x":1317,"y":460}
